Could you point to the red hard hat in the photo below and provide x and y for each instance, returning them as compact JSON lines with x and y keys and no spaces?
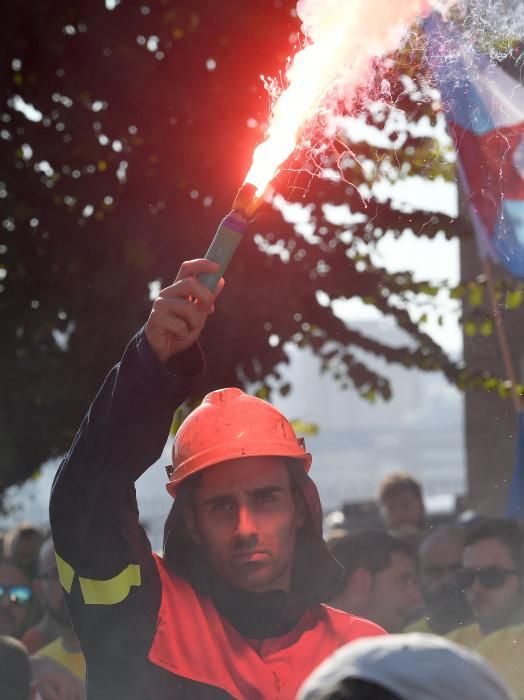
{"x":230,"y":424}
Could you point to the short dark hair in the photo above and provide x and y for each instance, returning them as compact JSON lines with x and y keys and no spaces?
{"x":13,"y":537}
{"x":356,"y":689}
{"x":15,"y":672}
{"x":508,"y":532}
{"x":367,"y":549}
{"x":398,"y":482}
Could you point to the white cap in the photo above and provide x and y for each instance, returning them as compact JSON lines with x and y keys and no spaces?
{"x":413,"y":666}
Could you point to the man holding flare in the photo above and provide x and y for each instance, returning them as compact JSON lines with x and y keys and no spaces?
{"x":234,"y":608}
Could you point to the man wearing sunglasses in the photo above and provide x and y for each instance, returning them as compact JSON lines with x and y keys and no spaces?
{"x":16,"y":596}
{"x":491,"y":577}
{"x":15,"y":599}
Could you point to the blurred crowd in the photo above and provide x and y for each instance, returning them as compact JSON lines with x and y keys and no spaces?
{"x":40,"y":656}
{"x":460,"y":581}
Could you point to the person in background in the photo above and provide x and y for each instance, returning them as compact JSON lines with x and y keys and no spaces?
{"x":440,"y":558}
{"x":492,"y":578}
{"x":15,"y":599}
{"x":15,"y":670}
{"x":49,"y":594}
{"x":54,"y":682}
{"x":22,"y":678}
{"x":401,"y":504}
{"x":404,"y":667}
{"x":65,"y":649}
{"x":504,"y":650}
{"x":21,"y":546}
{"x":379,"y":580}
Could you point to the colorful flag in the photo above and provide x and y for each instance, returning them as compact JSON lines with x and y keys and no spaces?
{"x":484,"y":107}
{"x":515,"y":506}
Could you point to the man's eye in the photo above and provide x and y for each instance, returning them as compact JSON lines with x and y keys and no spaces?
{"x":264,"y":498}
{"x":222,"y":506}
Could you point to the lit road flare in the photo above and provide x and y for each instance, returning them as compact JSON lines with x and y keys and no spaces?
{"x":343,"y":39}
{"x":230,"y":233}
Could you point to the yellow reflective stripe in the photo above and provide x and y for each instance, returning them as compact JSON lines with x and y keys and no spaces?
{"x":113,"y":590}
{"x":66,"y":573}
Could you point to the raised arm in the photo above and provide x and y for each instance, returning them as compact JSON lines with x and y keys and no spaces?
{"x":103,"y":554}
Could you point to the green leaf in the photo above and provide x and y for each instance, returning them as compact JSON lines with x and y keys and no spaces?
{"x":504,"y":389}
{"x":486,"y":327}
{"x":457,"y":292}
{"x":430,"y":290}
{"x":514,"y":299}
{"x":475,"y":294}
{"x":462,"y":382}
{"x":370,"y":395}
{"x":470,"y":328}
{"x":490,"y":384}
{"x":303,"y":427}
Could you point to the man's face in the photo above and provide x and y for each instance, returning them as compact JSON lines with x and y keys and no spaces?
{"x":246,"y":520}
{"x":26,"y":550}
{"x":403,"y":511}
{"x":48,"y":585}
{"x":440,"y":559}
{"x":16,"y":596}
{"x":493,"y":607}
{"x":394,"y":595}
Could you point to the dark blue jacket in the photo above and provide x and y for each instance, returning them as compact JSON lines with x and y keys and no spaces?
{"x":111,"y":582}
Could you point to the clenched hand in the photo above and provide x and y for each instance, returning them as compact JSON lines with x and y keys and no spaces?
{"x":180,"y":311}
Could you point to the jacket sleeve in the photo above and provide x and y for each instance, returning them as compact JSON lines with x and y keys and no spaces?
{"x":104,"y":558}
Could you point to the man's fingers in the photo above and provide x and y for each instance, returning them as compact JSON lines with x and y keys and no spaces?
{"x":218,"y":290}
{"x":196,"y":267}
{"x":180,"y":311}
{"x":179,"y":315}
{"x":189,"y":287}
{"x":211,"y":309}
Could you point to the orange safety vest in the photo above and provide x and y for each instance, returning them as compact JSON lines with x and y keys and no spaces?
{"x":194,"y":641}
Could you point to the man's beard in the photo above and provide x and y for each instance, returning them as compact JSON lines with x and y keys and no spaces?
{"x":447,"y":608}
